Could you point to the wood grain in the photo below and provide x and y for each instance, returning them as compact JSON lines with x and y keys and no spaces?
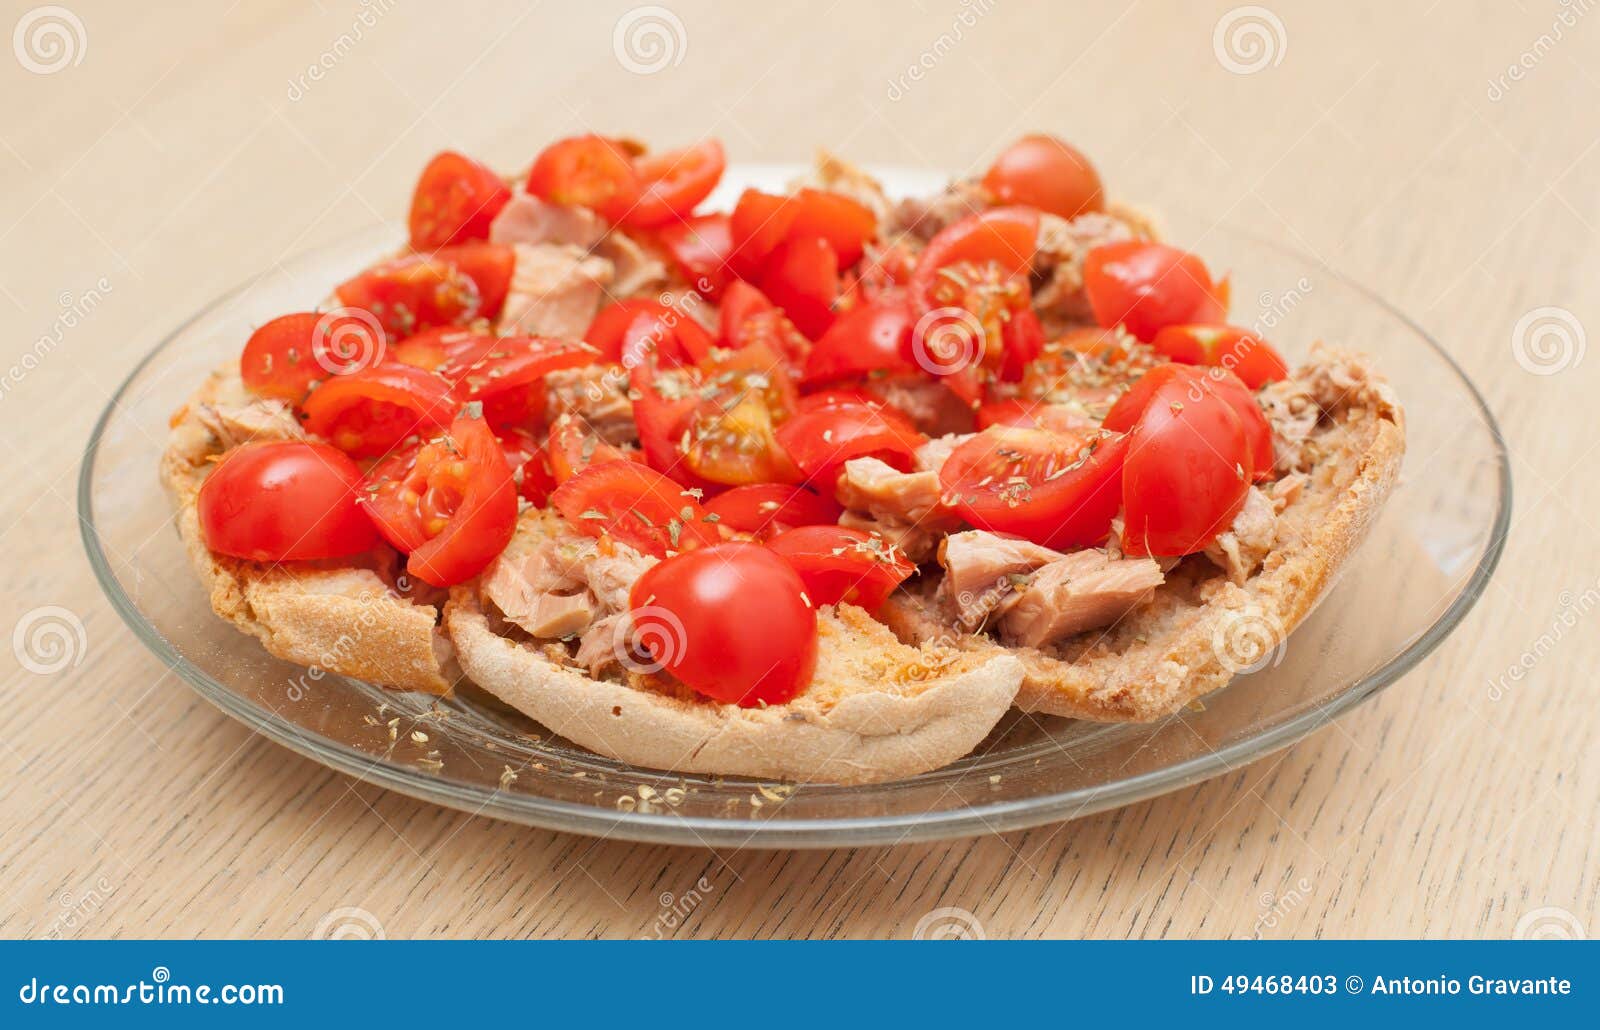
{"x":178,"y":157}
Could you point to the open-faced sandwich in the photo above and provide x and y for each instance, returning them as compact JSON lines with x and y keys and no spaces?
{"x":817,"y":488}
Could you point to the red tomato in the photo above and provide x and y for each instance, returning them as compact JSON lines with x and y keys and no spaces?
{"x":802,"y":278}
{"x":589,"y":171}
{"x":442,"y":346}
{"x":1021,"y":343}
{"x":368,"y":412}
{"x":455,"y":200}
{"x":529,"y":460}
{"x":822,"y":440}
{"x":749,"y":319}
{"x":882,"y":269}
{"x":846,"y":224}
{"x":450,"y":286}
{"x":509,"y":380}
{"x":288,"y":355}
{"x":760,"y":222}
{"x":729,"y":437}
{"x":661,"y":409}
{"x":843,"y":566}
{"x":1059,"y":490}
{"x":1033,"y":415}
{"x":1006,"y":236}
{"x":763,"y":509}
{"x":1128,"y":409}
{"x":573,"y":448}
{"x":730,"y":621}
{"x":451,"y":503}
{"x":1044,"y":172}
{"x":606,"y":331}
{"x":1246,"y":355}
{"x":673,"y":182}
{"x":284,"y":501}
{"x":665,"y":338}
{"x":1147,"y":286}
{"x":633,"y":504}
{"x":875,"y":336}
{"x":1188,"y":465}
{"x":700,"y":246}
{"x":740,"y":303}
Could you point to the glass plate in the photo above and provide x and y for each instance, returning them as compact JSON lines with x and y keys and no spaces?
{"x":1426,"y":561}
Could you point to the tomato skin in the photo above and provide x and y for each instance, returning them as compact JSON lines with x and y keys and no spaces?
{"x":802,"y":277}
{"x":872,"y":337}
{"x":455,"y":201}
{"x":1255,"y":361}
{"x":529,"y":459}
{"x":368,"y":412}
{"x":285,"y":357}
{"x":846,"y":224}
{"x":840,"y":565}
{"x":1147,"y":286}
{"x":820,"y":441}
{"x":1047,"y":173}
{"x":605,"y":333}
{"x":1022,"y":341}
{"x":441,"y":346}
{"x":589,"y":171}
{"x":1199,"y":384}
{"x":763,"y":509}
{"x":509,"y":380}
{"x":449,"y":286}
{"x":284,"y":501}
{"x":636,"y":505}
{"x":572,"y":448}
{"x":667,"y":338}
{"x":700,"y":247}
{"x":1007,"y":236}
{"x":1058,"y":510}
{"x":760,"y":221}
{"x":695,"y":614}
{"x":673,"y":182}
{"x":740,"y":303}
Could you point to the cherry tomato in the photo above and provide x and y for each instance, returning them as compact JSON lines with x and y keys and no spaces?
{"x":673,"y":182}
{"x":588,"y":171}
{"x":872,"y":337}
{"x":1145,"y":287}
{"x":666,"y":338}
{"x":843,"y":566}
{"x":529,"y":459}
{"x":700,"y":247}
{"x":1125,"y":414}
{"x":1059,"y":490}
{"x":284,"y":501}
{"x":455,"y":201}
{"x":368,"y":412}
{"x":636,"y":505}
{"x":730,"y":622}
{"x":285,"y":357}
{"x":760,"y":221}
{"x":763,"y":509}
{"x":662,"y":405}
{"x":1045,"y":172}
{"x":573,"y":448}
{"x":846,"y":224}
{"x":1006,"y":236}
{"x":740,"y":302}
{"x":802,"y":277}
{"x":450,"y":286}
{"x":509,"y":379}
{"x":1033,"y":415}
{"x":444,"y":346}
{"x":729,"y":436}
{"x":749,"y":319}
{"x":822,"y":440}
{"x":1021,"y":343}
{"x":606,"y":331}
{"x":1246,"y":355}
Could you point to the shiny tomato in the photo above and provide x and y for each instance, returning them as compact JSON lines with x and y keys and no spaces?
{"x":876,"y":336}
{"x":729,"y":621}
{"x":529,"y":459}
{"x":509,"y":379}
{"x":1059,"y":490}
{"x":1021,"y":343}
{"x":749,"y":319}
{"x":663,"y":338}
{"x":846,"y":224}
{"x":663,"y":402}
{"x":368,"y":412}
{"x":589,"y":171}
{"x":700,"y":247}
{"x":843,"y":566}
{"x":451,"y":503}
{"x":455,"y":201}
{"x":285,"y":357}
{"x":284,"y":501}
{"x":1047,"y":173}
{"x":636,"y":505}
{"x":1145,"y":287}
{"x":1015,"y":411}
{"x":1201,"y":382}
{"x":760,"y":221}
{"x":802,"y":277}
{"x":1246,"y":355}
{"x":1004,"y":236}
{"x":442,"y":346}
{"x":729,"y":437}
{"x":673,"y":182}
{"x":822,"y":440}
{"x":606,"y":331}
{"x":449,"y":286}
{"x":573,"y":448}
{"x":763,"y":509}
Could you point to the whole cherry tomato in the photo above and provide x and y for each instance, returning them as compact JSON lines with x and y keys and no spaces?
{"x":1047,"y":173}
{"x":284,"y":500}
{"x":455,"y":201}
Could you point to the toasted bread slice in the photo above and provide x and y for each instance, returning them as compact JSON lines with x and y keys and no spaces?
{"x":340,"y":617}
{"x":1198,"y":628}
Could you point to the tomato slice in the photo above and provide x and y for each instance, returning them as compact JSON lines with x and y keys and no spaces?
{"x":729,"y":437}
{"x":455,"y":201}
{"x":843,"y":566}
{"x":729,"y":621}
{"x":760,"y":221}
{"x":442,"y":346}
{"x":673,"y":182}
{"x":700,"y":248}
{"x":509,"y":379}
{"x":589,"y":171}
{"x":1147,"y":286}
{"x":1021,"y":343}
{"x":1198,"y":384}
{"x":749,"y":319}
{"x":1059,"y":490}
{"x":284,"y":501}
{"x":802,"y":277}
{"x":822,"y":440}
{"x":762,"y":509}
{"x":285,"y":357}
{"x":666,"y":338}
{"x":368,"y":412}
{"x":846,"y":224}
{"x":636,"y":505}
{"x":1047,"y":173}
{"x":1246,"y":355}
{"x":1028,"y":414}
{"x":529,"y":459}
{"x":449,"y":286}
{"x":573,"y":448}
{"x":606,"y":331}
{"x":1006,"y":236}
{"x":872,"y":337}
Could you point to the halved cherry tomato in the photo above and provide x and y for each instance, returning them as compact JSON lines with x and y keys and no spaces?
{"x":663,"y":402}
{"x":762,"y":509}
{"x":740,"y":302}
{"x":589,"y":171}
{"x":1219,"y":381}
{"x":834,"y":395}
{"x":673,"y":182}
{"x":1146,"y":287}
{"x":846,"y":224}
{"x":509,"y":379}
{"x":882,"y":269}
{"x":636,"y":505}
{"x":606,"y":331}
{"x":1188,"y":465}
{"x":729,"y":437}
{"x":573,"y":448}
{"x":285,"y":357}
{"x":449,"y":286}
{"x":441,"y":346}
{"x":529,"y":459}
{"x":1021,"y":343}
{"x":284,"y":500}
{"x":760,"y":221}
{"x":1059,"y":490}
{"x":843,"y":566}
{"x":802,"y":278}
{"x":700,"y":246}
{"x":1047,"y":173}
{"x":1015,"y":411}
{"x":664,"y":338}
{"x":455,"y":201}
{"x":822,"y":440}
{"x":730,"y":621}
{"x":876,"y":336}
{"x":749,"y":319}
{"x":1007,"y":236}
{"x":1246,"y":355}
{"x":368,"y":412}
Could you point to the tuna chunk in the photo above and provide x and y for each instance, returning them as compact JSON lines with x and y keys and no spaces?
{"x":555,"y":584}
{"x":635,"y":269}
{"x":930,"y":406}
{"x":1242,"y":547}
{"x":234,"y":424}
{"x":932,"y":455}
{"x":598,"y":396}
{"x":1082,"y":591}
{"x":555,"y":291}
{"x":1292,"y":412}
{"x":878,"y":488}
{"x":1058,"y":263}
{"x":984,"y":572}
{"x":530,"y":221}
{"x":923,"y":217}
{"x":917,"y":542}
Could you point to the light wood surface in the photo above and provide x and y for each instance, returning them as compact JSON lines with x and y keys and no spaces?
{"x":179,"y":157}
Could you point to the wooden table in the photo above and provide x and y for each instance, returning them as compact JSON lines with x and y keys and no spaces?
{"x":187,"y":150}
